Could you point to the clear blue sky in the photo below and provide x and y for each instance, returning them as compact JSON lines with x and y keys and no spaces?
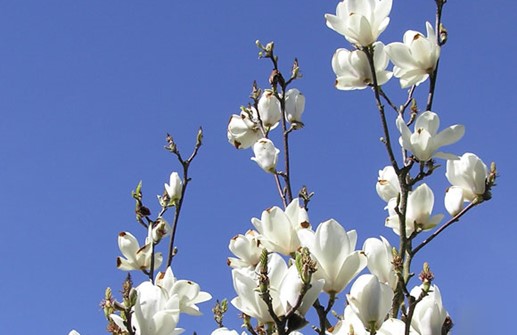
{"x":88,"y":90}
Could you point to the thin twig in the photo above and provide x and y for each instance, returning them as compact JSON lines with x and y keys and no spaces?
{"x":383,"y":94}
{"x":434,"y":74}
{"x":444,"y":226}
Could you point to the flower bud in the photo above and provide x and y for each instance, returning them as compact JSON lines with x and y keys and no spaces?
{"x":173,"y":189}
{"x":266,"y":155}
{"x":161,"y":229}
{"x":371,"y":301}
{"x":387,"y":184}
{"x":242,"y":131}
{"x":294,"y":105}
{"x":468,"y":173}
{"x":269,"y":109}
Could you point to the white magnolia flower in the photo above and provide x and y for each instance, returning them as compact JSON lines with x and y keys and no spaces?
{"x":269,"y":109}
{"x":454,"y":200}
{"x":160,"y":229}
{"x":243,"y":132}
{"x":294,"y":105}
{"x":370,"y":300}
{"x":353,"y":70}
{"x":388,"y":185}
{"x":247,"y":248}
{"x":174,"y":188}
{"x":468,"y":176}
{"x":187,"y":292}
{"x":395,"y":327}
{"x":284,"y":289}
{"x":425,"y":141}
{"x":360,"y":21}
{"x":416,"y":58}
{"x":225,"y":331}
{"x":351,"y":322}
{"x":291,"y":287}
{"x":245,"y":283}
{"x":136,"y":258}
{"x":418,"y":214}
{"x":155,"y":312}
{"x":279,"y":230}
{"x":266,"y":155}
{"x":334,"y":250}
{"x":380,"y":260}
{"x":429,"y":314}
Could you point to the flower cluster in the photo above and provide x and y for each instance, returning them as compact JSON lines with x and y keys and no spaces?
{"x":251,"y":128}
{"x":282,"y":267}
{"x":271,"y":289}
{"x":361,"y":22}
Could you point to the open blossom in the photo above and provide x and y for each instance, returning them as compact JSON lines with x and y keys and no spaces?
{"x":243,"y":132}
{"x":294,"y":105}
{"x":225,"y":331}
{"x":174,"y":188}
{"x":388,"y":185}
{"x":248,"y":300}
{"x":279,"y":230}
{"x":360,"y":21}
{"x":380,"y":260}
{"x":334,"y":250}
{"x":266,"y":155}
{"x":352,"y":322}
{"x":370,"y":300}
{"x":416,"y":58}
{"x":284,"y":289}
{"x":269,"y":109}
{"x":429,"y":314}
{"x":468,"y":176}
{"x":186,"y":292}
{"x":425,"y":141}
{"x":247,"y":248}
{"x":418,"y":214}
{"x":136,"y":258}
{"x":353,"y":70}
{"x":291,"y":287}
{"x":155,"y":312}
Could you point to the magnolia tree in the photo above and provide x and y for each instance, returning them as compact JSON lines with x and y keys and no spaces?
{"x":284,"y":265}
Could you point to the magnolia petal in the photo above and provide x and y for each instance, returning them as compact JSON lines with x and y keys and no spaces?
{"x":405,"y":133}
{"x":429,"y":121}
{"x":400,"y":55}
{"x":445,"y":155}
{"x":454,"y":200}
{"x":351,"y":267}
{"x":449,"y":135}
{"x":128,"y":244}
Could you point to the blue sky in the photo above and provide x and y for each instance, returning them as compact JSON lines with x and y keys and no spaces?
{"x":88,"y":90}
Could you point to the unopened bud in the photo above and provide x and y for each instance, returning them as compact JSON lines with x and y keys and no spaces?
{"x":269,"y":47}
{"x":295,"y":72}
{"x":171,"y":146}
{"x":133,"y":294}
{"x":160,"y":229}
{"x":199,"y":137}
{"x":443,"y":34}
{"x":426,"y":276}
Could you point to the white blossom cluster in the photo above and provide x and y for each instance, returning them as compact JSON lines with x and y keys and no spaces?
{"x":282,"y":234}
{"x":251,"y":127}
{"x":282,"y":267}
